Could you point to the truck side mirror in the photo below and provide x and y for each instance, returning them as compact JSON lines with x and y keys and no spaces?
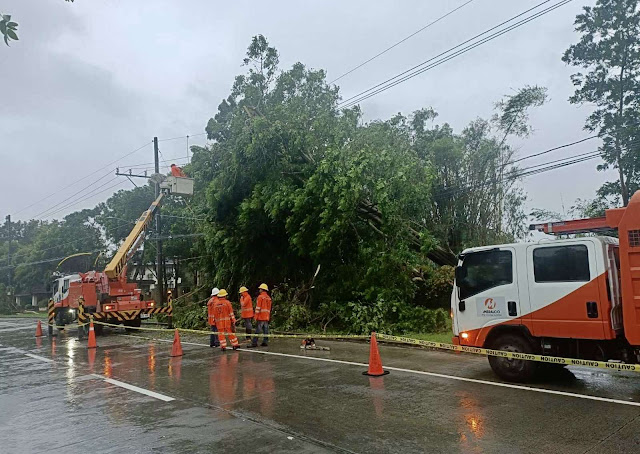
{"x":460,"y":275}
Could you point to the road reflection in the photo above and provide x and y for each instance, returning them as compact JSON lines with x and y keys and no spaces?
{"x":252,"y":382}
{"x":175,"y":369}
{"x":377,"y":386}
{"x":472,"y":427}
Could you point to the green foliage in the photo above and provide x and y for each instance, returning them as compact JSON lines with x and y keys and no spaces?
{"x":350,"y":223}
{"x":8,"y":29}
{"x":192,"y":316}
{"x":609,"y":50}
{"x":384,"y":317}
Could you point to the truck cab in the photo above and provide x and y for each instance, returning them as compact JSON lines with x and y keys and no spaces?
{"x":555,"y":297}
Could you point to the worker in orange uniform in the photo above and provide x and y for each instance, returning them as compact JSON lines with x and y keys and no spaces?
{"x":177,"y":171}
{"x":213,"y":338}
{"x":225,"y":320}
{"x":246,"y":310}
{"x":262,"y":315}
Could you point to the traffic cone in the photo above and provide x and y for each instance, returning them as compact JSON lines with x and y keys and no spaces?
{"x":92,"y":336}
{"x":39,"y":329}
{"x":176,"y":348}
{"x":375,"y":363}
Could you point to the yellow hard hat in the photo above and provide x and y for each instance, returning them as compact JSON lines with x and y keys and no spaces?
{"x":264,"y":287}
{"x":222,"y":292}
{"x":243,"y":289}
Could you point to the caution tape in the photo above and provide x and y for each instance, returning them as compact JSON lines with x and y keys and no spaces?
{"x":512,"y":355}
{"x":272,"y":336}
{"x":64,"y":326}
{"x":423,"y":343}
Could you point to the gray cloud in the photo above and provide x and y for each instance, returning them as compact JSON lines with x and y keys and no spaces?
{"x":91,"y":81}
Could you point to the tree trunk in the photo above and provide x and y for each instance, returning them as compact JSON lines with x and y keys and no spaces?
{"x":623,"y":187}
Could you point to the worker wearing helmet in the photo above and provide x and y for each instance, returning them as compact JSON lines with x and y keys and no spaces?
{"x":262,"y":315}
{"x":246,"y":310}
{"x":225,"y":320}
{"x":213,"y":338}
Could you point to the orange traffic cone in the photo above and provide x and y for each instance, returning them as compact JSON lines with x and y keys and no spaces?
{"x":92,"y":336}
{"x":375,"y":363}
{"x":176,"y":349}
{"x":39,"y":329}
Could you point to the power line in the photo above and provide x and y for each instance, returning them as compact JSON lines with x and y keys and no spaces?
{"x":182,"y":217}
{"x":88,"y":196}
{"x":43,"y":261}
{"x":522,"y":173}
{"x":182,"y":137}
{"x":83,"y":178}
{"x":554,"y":149}
{"x":75,"y":194}
{"x":445,"y":52}
{"x":400,"y":42}
{"x":400,"y":78}
{"x":70,"y":242}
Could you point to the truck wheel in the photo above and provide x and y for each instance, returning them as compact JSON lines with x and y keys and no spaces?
{"x":516,"y":370}
{"x":59,"y":319}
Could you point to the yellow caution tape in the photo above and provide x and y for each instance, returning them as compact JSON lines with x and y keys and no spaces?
{"x":203,"y":332}
{"x":67,"y":325}
{"x":512,"y":355}
{"x":423,"y":343}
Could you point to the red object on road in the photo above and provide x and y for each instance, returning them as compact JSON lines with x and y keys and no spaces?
{"x":92,"y":336}
{"x":39,"y":329}
{"x":176,"y":348}
{"x":375,"y":363}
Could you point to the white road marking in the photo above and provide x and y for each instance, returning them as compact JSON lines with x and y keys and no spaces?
{"x":135,"y":388}
{"x":469,"y":380}
{"x":40,"y":358}
{"x":21,"y":328}
{"x":433,"y":374}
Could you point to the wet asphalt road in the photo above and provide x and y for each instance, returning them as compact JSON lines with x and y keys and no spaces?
{"x":53,"y":396}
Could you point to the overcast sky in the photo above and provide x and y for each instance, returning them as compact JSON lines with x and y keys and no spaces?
{"x":91,"y":81}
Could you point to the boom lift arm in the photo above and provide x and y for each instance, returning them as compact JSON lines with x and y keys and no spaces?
{"x":117,"y":265}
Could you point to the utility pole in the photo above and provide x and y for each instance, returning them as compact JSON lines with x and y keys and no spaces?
{"x":159,"y":258}
{"x":10,"y":236}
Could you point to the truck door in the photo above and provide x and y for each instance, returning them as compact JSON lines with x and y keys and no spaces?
{"x":564,"y":291}
{"x":487,"y":293}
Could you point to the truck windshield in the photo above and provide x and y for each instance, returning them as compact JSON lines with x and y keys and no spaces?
{"x":484,"y":270}
{"x":55,"y":287}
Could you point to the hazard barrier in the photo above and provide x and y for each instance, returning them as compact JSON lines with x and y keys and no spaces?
{"x":430,"y":344}
{"x":50,"y":317}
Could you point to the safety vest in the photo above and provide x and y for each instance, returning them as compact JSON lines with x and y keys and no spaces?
{"x":210,"y":314}
{"x":223,"y":313}
{"x":263,"y":307}
{"x":246,"y":305}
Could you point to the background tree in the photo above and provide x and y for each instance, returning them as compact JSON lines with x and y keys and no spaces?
{"x":609,"y":49}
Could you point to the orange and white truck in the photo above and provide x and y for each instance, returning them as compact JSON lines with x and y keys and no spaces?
{"x":577,"y":297}
{"x":107,"y":295}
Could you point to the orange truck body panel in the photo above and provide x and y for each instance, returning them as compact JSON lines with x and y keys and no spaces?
{"x":626,"y":221}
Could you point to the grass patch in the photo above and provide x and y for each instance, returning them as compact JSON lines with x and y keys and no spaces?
{"x":433,"y":337}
